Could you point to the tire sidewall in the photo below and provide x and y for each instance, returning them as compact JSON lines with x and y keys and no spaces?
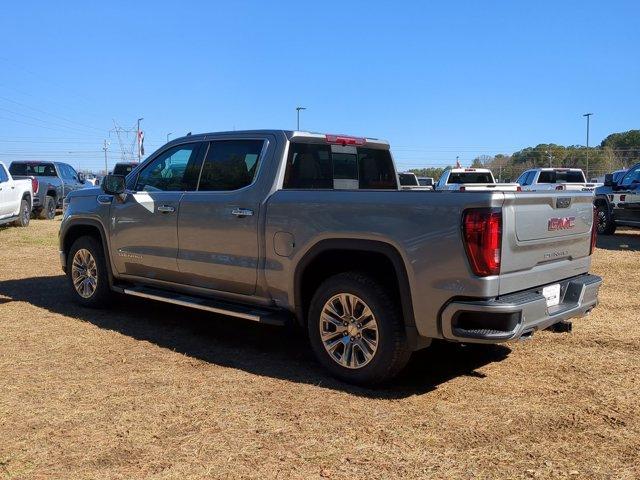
{"x":103,"y":290}
{"x":23,"y":221}
{"x":48,"y":210}
{"x":388,"y":317}
{"x":608,"y":227}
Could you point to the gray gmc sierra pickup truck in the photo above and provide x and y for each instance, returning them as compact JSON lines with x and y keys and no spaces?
{"x":273,"y":225}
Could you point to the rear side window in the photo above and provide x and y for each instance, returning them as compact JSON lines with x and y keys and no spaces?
{"x":470,"y":177}
{"x":319,"y":166}
{"x":230,"y":165}
{"x":35,"y":169}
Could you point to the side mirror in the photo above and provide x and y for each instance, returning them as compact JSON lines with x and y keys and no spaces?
{"x":81,"y":177}
{"x":114,"y":184}
{"x":608,"y":180}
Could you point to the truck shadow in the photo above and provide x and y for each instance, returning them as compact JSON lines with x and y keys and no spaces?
{"x":258,"y":349}
{"x":622,"y":240}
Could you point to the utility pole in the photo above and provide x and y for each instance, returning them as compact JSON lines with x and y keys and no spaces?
{"x":588,"y":115}
{"x":105,"y":147}
{"x":298,"y":114}
{"x":550,"y":157}
{"x":138,"y":138}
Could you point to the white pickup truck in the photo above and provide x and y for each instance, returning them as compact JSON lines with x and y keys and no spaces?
{"x":16,"y":199}
{"x":545,"y":179}
{"x":472,"y":179}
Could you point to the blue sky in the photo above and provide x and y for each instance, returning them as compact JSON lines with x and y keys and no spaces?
{"x":436,"y":79}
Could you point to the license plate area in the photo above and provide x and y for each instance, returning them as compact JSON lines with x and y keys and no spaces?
{"x":551,"y":294}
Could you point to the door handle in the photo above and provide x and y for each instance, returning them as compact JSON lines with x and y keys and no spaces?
{"x":166,"y":209}
{"x":242,"y":212}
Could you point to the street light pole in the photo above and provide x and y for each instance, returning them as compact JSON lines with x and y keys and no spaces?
{"x":588,"y":115}
{"x":138,"y":138}
{"x":298,"y":114}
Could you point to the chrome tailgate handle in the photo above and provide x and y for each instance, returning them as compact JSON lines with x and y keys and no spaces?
{"x":242,"y":212}
{"x":166,"y":209}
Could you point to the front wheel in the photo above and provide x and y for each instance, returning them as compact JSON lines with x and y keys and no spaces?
{"x":356,"y":329}
{"x":25,"y":215}
{"x":48,"y":211}
{"x":87,"y":272}
{"x":605,"y":224}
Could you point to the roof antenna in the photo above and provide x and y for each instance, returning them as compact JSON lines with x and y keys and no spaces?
{"x":188,"y":134}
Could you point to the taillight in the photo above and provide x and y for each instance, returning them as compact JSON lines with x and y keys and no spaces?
{"x":345,"y":140}
{"x":594,"y":230}
{"x":482,"y":232}
{"x":462,"y":189}
{"x":518,"y":188}
{"x":559,"y":187}
{"x":35,"y":185}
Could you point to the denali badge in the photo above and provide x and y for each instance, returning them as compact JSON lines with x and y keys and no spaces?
{"x":563,"y":223}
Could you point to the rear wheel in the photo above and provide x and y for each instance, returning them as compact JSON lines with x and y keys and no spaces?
{"x":87,"y":272}
{"x":25,"y":215}
{"x":356,"y":329}
{"x":48,"y":210}
{"x":605,"y":224}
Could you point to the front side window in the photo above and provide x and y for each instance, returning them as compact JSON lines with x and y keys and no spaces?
{"x":230,"y":165}
{"x":172,"y":171}
{"x":321,"y":166}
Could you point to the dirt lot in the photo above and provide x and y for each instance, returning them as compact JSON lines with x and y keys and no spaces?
{"x":154,"y":391}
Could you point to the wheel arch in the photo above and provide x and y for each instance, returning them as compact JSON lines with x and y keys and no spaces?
{"x":320,"y":262}
{"x":83,"y":227}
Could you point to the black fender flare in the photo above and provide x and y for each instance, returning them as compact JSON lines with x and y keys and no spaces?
{"x":89,"y":222}
{"x":371,"y":246}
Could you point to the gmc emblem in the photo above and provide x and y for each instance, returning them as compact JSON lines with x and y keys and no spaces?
{"x":563,"y":223}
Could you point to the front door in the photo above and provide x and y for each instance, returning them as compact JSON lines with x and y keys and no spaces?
{"x":5,"y":194}
{"x":629,"y":210}
{"x":218,"y":223}
{"x":144,"y":222}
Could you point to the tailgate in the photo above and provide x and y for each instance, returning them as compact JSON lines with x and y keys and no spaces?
{"x":546,"y":237}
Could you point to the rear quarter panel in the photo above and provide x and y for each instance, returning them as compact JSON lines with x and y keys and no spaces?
{"x":424,"y":228}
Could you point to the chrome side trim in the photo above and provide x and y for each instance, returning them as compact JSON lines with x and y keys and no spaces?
{"x":184,"y":303}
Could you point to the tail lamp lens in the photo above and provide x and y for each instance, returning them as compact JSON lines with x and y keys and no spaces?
{"x":482,"y":231}
{"x":594,"y":230}
{"x":35,"y":185}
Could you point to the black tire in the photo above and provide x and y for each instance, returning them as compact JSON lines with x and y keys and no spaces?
{"x":25,"y":215}
{"x":392,"y":353}
{"x":605,"y":225}
{"x":48,"y":211}
{"x":102,"y":292}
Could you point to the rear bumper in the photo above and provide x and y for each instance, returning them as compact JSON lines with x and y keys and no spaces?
{"x":518,"y":314}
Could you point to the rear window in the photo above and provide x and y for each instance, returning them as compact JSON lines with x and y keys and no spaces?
{"x":35,"y":169}
{"x":470,"y":177}
{"x":320,"y":166}
{"x":408,"y":180}
{"x":565,"y":176}
{"x":123,"y":168}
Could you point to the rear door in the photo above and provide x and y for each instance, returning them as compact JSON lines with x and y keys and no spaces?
{"x":218,"y":223}
{"x":5,"y":194}
{"x":144,"y":225}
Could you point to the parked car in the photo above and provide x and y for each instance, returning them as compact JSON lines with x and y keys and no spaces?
{"x":618,"y":201}
{"x":90,"y":179}
{"x":472,"y":179}
{"x":544,"y":179}
{"x":409,"y":181}
{"x":124,"y":168}
{"x":16,"y":197}
{"x":276,"y":226}
{"x":55,"y":181}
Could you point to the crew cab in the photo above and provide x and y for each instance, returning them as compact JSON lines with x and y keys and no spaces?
{"x":15,"y":198}
{"x":280,"y":226}
{"x":55,"y":181}
{"x":618,"y":201}
{"x":545,"y":179}
{"x":472,"y":179}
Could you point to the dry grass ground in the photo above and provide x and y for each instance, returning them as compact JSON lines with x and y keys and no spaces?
{"x":146,"y":390}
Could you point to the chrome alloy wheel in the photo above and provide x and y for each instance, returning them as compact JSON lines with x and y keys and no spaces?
{"x":602,"y":220}
{"x":349,"y":330}
{"x":84,"y":273}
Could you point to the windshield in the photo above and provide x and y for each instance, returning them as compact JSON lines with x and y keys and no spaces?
{"x":35,"y":169}
{"x":470,"y":177}
{"x":561,"y":176}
